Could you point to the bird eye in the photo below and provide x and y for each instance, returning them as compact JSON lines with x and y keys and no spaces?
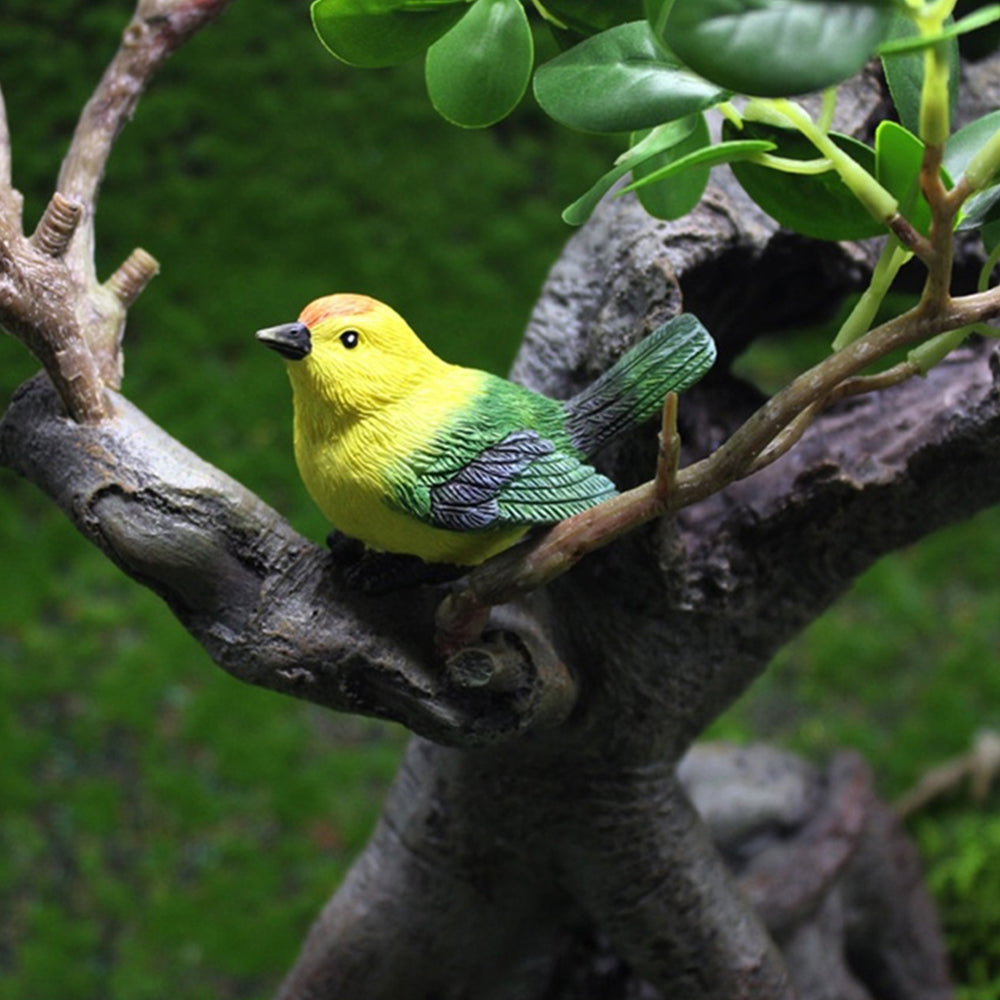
{"x":349,"y":338}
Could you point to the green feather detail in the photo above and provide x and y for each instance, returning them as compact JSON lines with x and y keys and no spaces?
{"x":505,"y":459}
{"x":511,"y":457}
{"x":673,"y":357}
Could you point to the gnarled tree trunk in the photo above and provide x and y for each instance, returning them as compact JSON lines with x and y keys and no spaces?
{"x":551,"y":834}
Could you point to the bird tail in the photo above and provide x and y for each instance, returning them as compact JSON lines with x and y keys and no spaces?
{"x":673,"y":357}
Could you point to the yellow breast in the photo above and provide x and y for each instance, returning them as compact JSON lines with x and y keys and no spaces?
{"x":347,"y":464}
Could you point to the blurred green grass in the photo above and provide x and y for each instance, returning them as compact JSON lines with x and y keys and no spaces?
{"x":148,"y":848}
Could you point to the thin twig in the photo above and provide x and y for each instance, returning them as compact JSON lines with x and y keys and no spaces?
{"x":733,"y":459}
{"x":132,"y":276}
{"x":959,"y":194}
{"x":11,"y":203}
{"x":937,"y":288}
{"x":463,"y":613}
{"x":860,"y":384}
{"x":980,"y":767}
{"x":855,"y":386}
{"x":766,"y":435}
{"x":912,"y":239}
{"x":669,"y":455}
{"x":157,"y":28}
{"x":56,"y":228}
{"x":5,"y":163}
{"x":50,"y":297}
{"x":788,"y":437}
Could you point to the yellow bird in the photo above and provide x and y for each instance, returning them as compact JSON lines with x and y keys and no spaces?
{"x":410,"y":454}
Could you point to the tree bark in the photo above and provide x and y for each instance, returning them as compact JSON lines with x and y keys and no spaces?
{"x":565,"y":836}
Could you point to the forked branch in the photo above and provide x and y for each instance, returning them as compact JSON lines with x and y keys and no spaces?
{"x":157,"y":29}
{"x":4,"y":147}
{"x":50,"y":297}
{"x":765,"y":436}
{"x":762,"y":439}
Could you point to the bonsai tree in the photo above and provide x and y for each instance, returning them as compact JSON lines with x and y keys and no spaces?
{"x":551,"y":832}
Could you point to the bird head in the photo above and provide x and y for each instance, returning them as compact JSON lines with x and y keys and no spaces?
{"x":353,"y":352}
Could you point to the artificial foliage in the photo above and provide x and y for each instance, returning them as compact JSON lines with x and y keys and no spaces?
{"x":670,"y":180}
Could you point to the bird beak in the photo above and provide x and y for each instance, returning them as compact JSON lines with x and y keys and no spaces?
{"x":290,"y":340}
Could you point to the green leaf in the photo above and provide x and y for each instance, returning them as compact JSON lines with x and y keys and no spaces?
{"x":776,"y":48}
{"x":705,"y":156}
{"x":898,"y":155}
{"x":980,"y":209}
{"x":656,"y":12}
{"x":620,"y":81}
{"x":904,"y":73}
{"x":671,"y":201}
{"x":915,"y":42}
{"x":385,"y":6}
{"x":587,"y":17}
{"x":660,"y":138}
{"x":967,"y":141}
{"x":478,"y":72}
{"x":991,"y":234}
{"x":816,"y":205}
{"x":372,"y":33}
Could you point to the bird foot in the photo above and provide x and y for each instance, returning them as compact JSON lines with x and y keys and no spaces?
{"x":375,"y":573}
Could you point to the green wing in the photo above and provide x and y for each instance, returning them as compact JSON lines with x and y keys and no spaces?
{"x":484,"y":474}
{"x":672,"y":358}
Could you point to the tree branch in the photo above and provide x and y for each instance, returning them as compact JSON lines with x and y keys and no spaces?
{"x":661,"y":631}
{"x":766,"y":435}
{"x":156,"y":30}
{"x":50,"y":297}
{"x":826,"y":867}
{"x":267,"y":605}
{"x":632,"y":860}
{"x":516,"y":572}
{"x":36,"y":306}
{"x":941,"y":239}
{"x":683,"y":926}
{"x":5,"y":163}
{"x":814,"y":387}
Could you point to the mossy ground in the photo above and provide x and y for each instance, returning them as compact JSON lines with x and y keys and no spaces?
{"x":165,"y":831}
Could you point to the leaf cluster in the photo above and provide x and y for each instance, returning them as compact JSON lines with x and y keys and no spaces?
{"x":652,"y":69}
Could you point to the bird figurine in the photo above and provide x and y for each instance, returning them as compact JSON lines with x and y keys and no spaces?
{"x":410,"y":454}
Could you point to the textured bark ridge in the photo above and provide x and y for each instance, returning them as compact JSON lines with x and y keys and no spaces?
{"x":581,"y":869}
{"x":551,"y":834}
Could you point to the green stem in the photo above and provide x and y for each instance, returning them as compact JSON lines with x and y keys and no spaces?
{"x":983,"y":167}
{"x":731,"y":113}
{"x":934,"y":112}
{"x":987,"y":269}
{"x":984,"y":329}
{"x":928,"y":354}
{"x":765,"y":110}
{"x":859,"y":322}
{"x":547,"y":15}
{"x":829,"y":107}
{"x":937,"y":13}
{"x":789,"y":165}
{"x":876,"y":199}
